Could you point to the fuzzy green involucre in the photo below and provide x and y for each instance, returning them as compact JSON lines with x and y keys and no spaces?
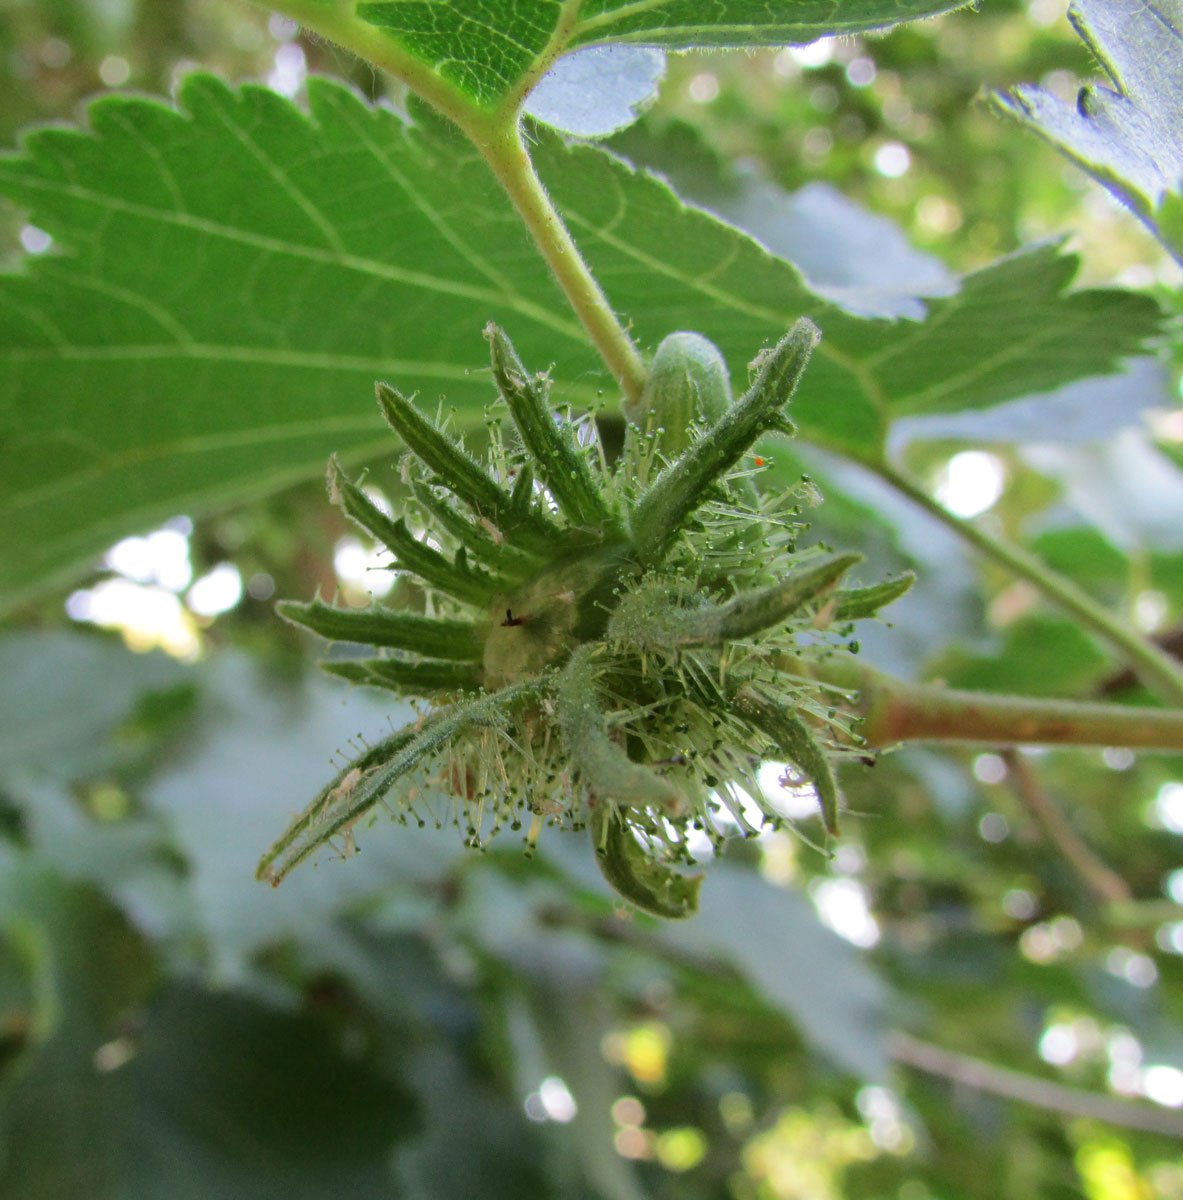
{"x":597,"y":644}
{"x":688,"y":385}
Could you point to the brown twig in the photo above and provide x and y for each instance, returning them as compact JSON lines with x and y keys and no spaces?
{"x":1102,"y":880}
{"x":894,"y":711}
{"x":1029,"y":1089}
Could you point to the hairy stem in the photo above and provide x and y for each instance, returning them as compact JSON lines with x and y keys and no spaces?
{"x":894,"y":711}
{"x":497,"y":136}
{"x":926,"y":713}
{"x":508,"y":159}
{"x":1157,"y":669}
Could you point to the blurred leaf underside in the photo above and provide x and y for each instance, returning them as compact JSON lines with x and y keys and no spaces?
{"x":1127,"y":135}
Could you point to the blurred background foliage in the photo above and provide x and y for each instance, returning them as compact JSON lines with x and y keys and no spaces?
{"x":980,"y":995}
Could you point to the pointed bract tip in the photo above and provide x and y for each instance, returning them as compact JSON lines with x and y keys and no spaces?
{"x":334,"y":477}
{"x":803,"y":329}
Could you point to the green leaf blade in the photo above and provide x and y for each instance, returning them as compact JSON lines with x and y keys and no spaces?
{"x":684,"y":24}
{"x":1125,"y":136}
{"x":489,"y":50}
{"x":228,"y":280}
{"x":1013,"y":329}
{"x":194,"y":339}
{"x":482,"y":49}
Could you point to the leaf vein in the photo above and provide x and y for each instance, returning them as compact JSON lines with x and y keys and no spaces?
{"x":281,"y":178}
{"x":367,"y":266}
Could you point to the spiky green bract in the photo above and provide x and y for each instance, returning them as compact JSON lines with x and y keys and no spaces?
{"x":280,"y":858}
{"x":852,"y":604}
{"x":464,"y":478}
{"x":508,"y":562}
{"x":455,"y":578}
{"x":426,"y":677}
{"x":681,"y":488}
{"x":434,"y":637}
{"x":367,"y":781}
{"x":605,"y":768}
{"x":794,"y":741}
{"x":636,"y":875}
{"x":522,"y":496}
{"x":561,"y":467}
{"x":581,"y":666}
{"x":649,"y":621}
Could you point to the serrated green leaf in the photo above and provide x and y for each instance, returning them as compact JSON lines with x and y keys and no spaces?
{"x":1012,"y":329}
{"x":1125,"y":136}
{"x":227,"y":282}
{"x":817,"y":227}
{"x":485,"y":48}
